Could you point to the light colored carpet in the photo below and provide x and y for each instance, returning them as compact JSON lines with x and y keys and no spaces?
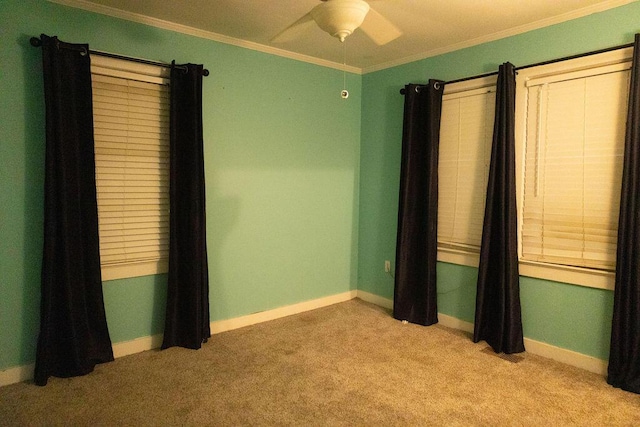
{"x":347,"y":364}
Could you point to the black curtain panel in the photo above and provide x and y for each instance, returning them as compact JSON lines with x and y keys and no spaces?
{"x":73,"y":328}
{"x":624,"y":355}
{"x":187,"y":315}
{"x":415,"y":298}
{"x":498,"y":318}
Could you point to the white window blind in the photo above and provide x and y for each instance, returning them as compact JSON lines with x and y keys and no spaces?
{"x":575,"y":125}
{"x":466,"y":132}
{"x":131,"y":128}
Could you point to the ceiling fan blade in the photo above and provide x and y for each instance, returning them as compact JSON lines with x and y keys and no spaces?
{"x":294,"y":30}
{"x":379,"y":29}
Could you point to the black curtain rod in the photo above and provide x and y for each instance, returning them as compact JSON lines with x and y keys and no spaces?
{"x":36,"y":42}
{"x":580,"y":55}
{"x":537,"y":64}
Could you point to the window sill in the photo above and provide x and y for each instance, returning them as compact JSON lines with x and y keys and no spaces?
{"x":460,"y":257}
{"x":572,"y":275}
{"x":576,"y":276}
{"x":126,"y":271}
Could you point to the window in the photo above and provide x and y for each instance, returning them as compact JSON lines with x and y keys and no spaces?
{"x":570,"y":126}
{"x":131,"y":127}
{"x":466,"y":132}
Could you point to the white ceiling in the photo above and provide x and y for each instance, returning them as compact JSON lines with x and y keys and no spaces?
{"x":429,"y":27}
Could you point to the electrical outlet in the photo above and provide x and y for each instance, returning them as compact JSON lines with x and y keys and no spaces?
{"x":387,"y":266}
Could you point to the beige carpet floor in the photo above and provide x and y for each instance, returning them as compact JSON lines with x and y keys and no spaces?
{"x":350,"y":364}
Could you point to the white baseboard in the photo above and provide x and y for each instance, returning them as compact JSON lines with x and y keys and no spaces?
{"x":455,"y":323}
{"x":137,"y":345}
{"x":264,"y":316}
{"x":573,"y":358}
{"x":17,"y":374}
{"x":589,"y":363}
{"x":376,"y":299}
{"x":125,"y":348}
{"x":155,"y":341}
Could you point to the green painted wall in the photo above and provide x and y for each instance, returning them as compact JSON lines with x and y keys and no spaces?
{"x":282,"y":170}
{"x":301,"y":185}
{"x":567,"y":316}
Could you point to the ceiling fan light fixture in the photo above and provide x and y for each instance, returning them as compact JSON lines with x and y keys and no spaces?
{"x":340,"y":17}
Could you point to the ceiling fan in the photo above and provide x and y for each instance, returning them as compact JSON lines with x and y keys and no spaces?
{"x":340,"y":18}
